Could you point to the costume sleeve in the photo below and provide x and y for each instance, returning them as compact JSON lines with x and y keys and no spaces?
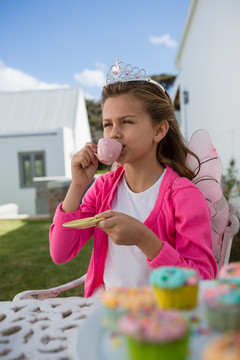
{"x":65,"y":243}
{"x":193,"y":237}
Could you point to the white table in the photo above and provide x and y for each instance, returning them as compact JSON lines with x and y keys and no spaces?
{"x":36,"y":330}
{"x":69,"y":329}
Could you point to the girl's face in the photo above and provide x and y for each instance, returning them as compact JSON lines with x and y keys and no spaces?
{"x":125,"y":120}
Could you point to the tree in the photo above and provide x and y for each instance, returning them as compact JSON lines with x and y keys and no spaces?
{"x":95,"y":119}
{"x":166,"y":80}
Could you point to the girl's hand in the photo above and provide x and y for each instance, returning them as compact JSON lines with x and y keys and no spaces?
{"x":126,"y":230}
{"x":84,"y":164}
{"x":123,"y":229}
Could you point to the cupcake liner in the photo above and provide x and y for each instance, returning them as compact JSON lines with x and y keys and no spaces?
{"x":181,"y":298}
{"x":140,"y":350}
{"x":223,"y":319}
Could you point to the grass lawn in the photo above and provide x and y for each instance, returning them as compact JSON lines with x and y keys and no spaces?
{"x":25,"y":262}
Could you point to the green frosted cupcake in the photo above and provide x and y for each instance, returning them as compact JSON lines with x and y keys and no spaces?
{"x":156,"y":335}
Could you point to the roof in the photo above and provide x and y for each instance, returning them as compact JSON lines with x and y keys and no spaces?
{"x":185,"y":31}
{"x":36,"y":111}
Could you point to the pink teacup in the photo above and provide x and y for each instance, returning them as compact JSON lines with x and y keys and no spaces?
{"x":108,"y":150}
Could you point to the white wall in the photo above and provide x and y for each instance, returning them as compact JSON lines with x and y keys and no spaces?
{"x":10,"y":191}
{"x":82,"y":132}
{"x":68,"y":140}
{"x":209,"y":65}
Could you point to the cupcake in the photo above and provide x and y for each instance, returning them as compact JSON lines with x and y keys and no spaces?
{"x":175,"y":287}
{"x":119,"y":301}
{"x":222,"y":305}
{"x":224,"y":347}
{"x":230,"y":273}
{"x":155,"y":335}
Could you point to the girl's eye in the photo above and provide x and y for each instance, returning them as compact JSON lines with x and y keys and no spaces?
{"x":127,"y":122}
{"x":106,"y":125}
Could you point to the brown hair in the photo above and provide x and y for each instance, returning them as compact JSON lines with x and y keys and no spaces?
{"x":172,"y":149}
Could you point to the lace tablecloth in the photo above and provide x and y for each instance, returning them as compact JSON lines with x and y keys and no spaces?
{"x":36,"y":330}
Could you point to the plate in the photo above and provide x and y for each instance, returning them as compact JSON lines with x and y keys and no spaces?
{"x":86,"y":222}
{"x":83,"y":223}
{"x":94,"y":342}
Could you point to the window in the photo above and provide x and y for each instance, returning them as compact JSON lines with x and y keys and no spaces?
{"x":31,"y":164}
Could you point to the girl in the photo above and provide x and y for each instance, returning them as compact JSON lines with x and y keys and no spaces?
{"x":158,"y":216}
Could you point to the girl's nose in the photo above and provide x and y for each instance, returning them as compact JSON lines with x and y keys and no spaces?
{"x":115,"y":133}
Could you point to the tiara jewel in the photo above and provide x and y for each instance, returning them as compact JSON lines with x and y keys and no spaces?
{"x":122,"y":72}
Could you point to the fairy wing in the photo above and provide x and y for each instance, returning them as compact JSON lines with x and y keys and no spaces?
{"x":208,"y":180}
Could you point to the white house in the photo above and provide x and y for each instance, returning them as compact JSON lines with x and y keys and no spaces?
{"x":39,"y":132}
{"x":206,"y":90}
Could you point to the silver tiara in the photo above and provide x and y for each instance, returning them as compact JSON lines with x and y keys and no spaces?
{"x":122,"y":72}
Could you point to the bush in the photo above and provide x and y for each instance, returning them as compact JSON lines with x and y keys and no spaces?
{"x":230,"y":183}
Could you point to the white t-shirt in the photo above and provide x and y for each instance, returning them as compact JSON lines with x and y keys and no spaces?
{"x":126,"y":265}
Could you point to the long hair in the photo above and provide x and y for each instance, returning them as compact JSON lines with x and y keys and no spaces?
{"x":172,"y":149}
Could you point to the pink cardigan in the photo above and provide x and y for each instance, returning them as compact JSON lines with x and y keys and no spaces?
{"x":180,"y":218}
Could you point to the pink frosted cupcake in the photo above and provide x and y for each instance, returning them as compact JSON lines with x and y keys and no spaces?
{"x":224,"y":347}
{"x":230,"y":273}
{"x":155,"y":335}
{"x":120,"y":300}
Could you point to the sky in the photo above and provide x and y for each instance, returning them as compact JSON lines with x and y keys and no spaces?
{"x":48,"y":44}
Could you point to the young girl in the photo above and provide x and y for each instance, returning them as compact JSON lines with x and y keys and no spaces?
{"x":158,"y":216}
